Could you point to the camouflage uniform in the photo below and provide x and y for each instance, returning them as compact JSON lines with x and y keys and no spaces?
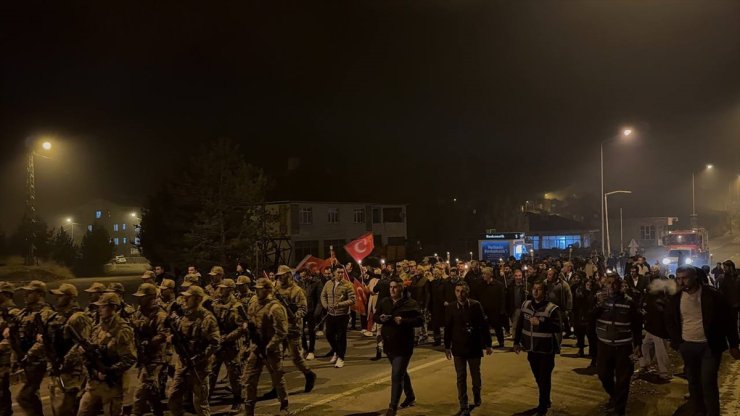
{"x":34,"y":361}
{"x":95,"y":289}
{"x":150,"y":334}
{"x":9,"y":312}
{"x":168,"y":369}
{"x":267,"y":317}
{"x":296,"y":299}
{"x":64,"y":390}
{"x":212,"y":288}
{"x":229,"y":322}
{"x":116,"y":339}
{"x":199,"y":329}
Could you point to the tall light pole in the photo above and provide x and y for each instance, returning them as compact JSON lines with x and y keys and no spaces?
{"x":694,"y":217}
{"x":626,"y":132}
{"x":72,"y":224}
{"x":31,"y":197}
{"x":606,"y":213}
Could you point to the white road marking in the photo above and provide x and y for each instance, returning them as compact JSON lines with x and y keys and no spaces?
{"x":382,"y":380}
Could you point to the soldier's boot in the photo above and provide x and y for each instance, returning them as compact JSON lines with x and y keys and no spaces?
{"x":126,"y":410}
{"x":391,"y":412}
{"x":580,"y":353}
{"x":272,"y":394}
{"x":158,"y":408}
{"x":378,"y":354}
{"x":476,"y":398}
{"x":237,"y":406}
{"x":249,"y":408}
{"x":310,"y":381}
{"x":284,"y":411}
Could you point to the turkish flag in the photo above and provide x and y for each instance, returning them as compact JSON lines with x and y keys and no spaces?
{"x":361,"y":248}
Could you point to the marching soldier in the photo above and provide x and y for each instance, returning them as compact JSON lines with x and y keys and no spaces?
{"x":166,"y":301}
{"x":538,"y":331}
{"x":294,"y":300}
{"x":167,"y":295}
{"x":268,"y":328}
{"x":69,"y":376}
{"x":148,"y":277}
{"x":149,"y":330}
{"x":8,"y":314}
{"x":95,"y":290}
{"x":108,"y":354}
{"x":243,"y":293}
{"x":30,"y":352}
{"x":229,"y":318}
{"x":195,"y":337}
{"x":217,"y":275}
{"x":619,"y":331}
{"x":126,"y":310}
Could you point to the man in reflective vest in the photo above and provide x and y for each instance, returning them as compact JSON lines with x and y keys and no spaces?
{"x":619,"y":331}
{"x":538,"y":332}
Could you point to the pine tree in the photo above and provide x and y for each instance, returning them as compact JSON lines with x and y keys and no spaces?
{"x":63,"y":250}
{"x":96,"y":250}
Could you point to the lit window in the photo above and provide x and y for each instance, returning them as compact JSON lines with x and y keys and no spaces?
{"x":98,"y":214}
{"x":115,"y":241}
{"x":333,"y":215}
{"x":89,"y":227}
{"x":115,"y":227}
{"x":125,"y":240}
{"x":123,"y":226}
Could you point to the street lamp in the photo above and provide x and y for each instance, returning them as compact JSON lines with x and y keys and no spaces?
{"x":31,"y":195}
{"x":606,"y":213}
{"x":72,"y":224}
{"x":626,"y":132}
{"x":694,"y":217}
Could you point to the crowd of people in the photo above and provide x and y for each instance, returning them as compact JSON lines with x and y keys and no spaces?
{"x":185,"y":328}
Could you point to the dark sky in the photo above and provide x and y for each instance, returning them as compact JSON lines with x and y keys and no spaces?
{"x":405,"y":101}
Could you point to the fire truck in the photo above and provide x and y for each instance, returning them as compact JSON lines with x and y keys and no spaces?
{"x":686,"y":247}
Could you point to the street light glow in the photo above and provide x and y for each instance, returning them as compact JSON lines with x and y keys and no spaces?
{"x":133,"y":214}
{"x":626,"y":132}
{"x":69,"y":220}
{"x":46,"y":145}
{"x":710,"y":166}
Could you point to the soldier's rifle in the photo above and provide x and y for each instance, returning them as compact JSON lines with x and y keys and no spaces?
{"x":50,"y":351}
{"x":180,"y":343}
{"x":95,"y":357}
{"x":14,"y":337}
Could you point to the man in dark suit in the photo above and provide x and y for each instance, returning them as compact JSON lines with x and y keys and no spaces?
{"x":637,"y":284}
{"x":466,"y":336}
{"x":699,"y":327}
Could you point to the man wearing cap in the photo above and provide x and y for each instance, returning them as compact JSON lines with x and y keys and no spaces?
{"x":71,"y":372}
{"x":229,"y":319}
{"x":95,"y":290}
{"x":149,"y":332}
{"x":33,"y":360}
{"x":166,"y":300}
{"x":293,"y":295}
{"x":199,"y":329}
{"x":337,"y":297}
{"x":148,"y":277}
{"x":8,"y":314}
{"x":243,"y":292}
{"x":115,"y":338}
{"x":126,"y":309}
{"x":216,"y":274}
{"x":268,"y":326}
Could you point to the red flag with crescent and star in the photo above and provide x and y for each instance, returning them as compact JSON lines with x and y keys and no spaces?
{"x":361,"y":248}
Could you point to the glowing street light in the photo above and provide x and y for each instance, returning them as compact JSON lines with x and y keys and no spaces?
{"x":710,"y":166}
{"x":626,"y":132}
{"x":46,"y":145}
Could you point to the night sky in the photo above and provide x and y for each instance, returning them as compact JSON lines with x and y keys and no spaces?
{"x":377,"y":101}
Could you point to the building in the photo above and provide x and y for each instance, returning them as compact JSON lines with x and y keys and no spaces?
{"x":648,"y":232}
{"x":315,"y":227}
{"x":121,"y":222}
{"x":554,"y":232}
